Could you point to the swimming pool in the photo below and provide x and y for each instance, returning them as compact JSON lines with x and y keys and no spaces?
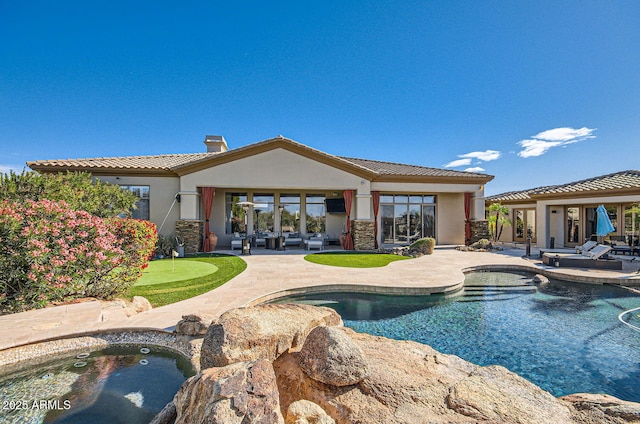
{"x":564,"y":337}
{"x":119,"y":384}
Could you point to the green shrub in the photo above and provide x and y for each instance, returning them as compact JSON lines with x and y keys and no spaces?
{"x":424,"y":245}
{"x":77,"y":189}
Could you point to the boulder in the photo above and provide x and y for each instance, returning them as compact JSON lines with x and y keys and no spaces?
{"x":243,"y":392}
{"x":166,"y":416}
{"x":194,"y":324}
{"x":413,"y":383}
{"x":330,"y":356}
{"x":387,"y":381}
{"x":140,"y":304}
{"x":494,"y":394}
{"x":598,"y":408}
{"x":261,"y":332}
{"x":305,"y":412}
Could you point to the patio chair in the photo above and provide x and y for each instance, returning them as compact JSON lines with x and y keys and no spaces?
{"x":292,"y":239}
{"x":236,"y":242}
{"x":261,"y":239}
{"x":314,"y":243}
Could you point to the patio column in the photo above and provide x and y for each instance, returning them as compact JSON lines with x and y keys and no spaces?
{"x":189,"y":204}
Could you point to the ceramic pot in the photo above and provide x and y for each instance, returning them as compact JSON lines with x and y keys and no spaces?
{"x":213,"y":241}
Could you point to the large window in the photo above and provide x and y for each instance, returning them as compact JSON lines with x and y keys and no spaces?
{"x":315,"y":214}
{"x":573,"y":226}
{"x":406,"y":218}
{"x":264,"y":210}
{"x":141,"y":210}
{"x":236,"y":218}
{"x":632,"y":220}
{"x":290,"y":218}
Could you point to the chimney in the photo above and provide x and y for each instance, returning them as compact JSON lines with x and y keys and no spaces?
{"x":215,"y":144}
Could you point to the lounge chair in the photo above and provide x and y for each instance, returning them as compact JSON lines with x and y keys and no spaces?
{"x":586,"y":247}
{"x":599,"y":251}
{"x":583,"y":250}
{"x":593,"y":259}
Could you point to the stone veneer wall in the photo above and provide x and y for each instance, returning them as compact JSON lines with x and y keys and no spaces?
{"x":363,"y":235}
{"x":190,"y":231}
{"x":479,"y":230}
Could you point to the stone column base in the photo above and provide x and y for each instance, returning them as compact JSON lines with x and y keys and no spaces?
{"x":363,"y":234}
{"x":190,"y":232}
{"x":479,"y":231}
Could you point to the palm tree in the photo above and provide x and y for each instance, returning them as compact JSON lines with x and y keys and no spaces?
{"x":498,"y":217}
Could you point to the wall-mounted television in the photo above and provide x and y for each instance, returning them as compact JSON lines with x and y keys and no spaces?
{"x":335,"y":205}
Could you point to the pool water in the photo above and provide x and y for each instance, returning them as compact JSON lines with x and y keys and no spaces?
{"x":115,"y":385}
{"x":564,"y":337}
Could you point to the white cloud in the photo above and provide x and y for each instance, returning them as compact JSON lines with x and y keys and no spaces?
{"x":532,"y":148}
{"x":459,"y":162}
{"x":540,"y":143}
{"x":566,"y":134}
{"x":474,"y":169}
{"x":485,"y":156}
{"x":467,"y":158}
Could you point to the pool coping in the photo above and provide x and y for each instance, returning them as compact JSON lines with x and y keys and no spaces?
{"x":46,"y":350}
{"x":270,"y":277}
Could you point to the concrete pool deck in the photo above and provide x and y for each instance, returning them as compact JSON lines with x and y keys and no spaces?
{"x":268,"y":272}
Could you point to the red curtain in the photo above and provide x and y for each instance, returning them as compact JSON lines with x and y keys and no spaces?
{"x":208,"y":193}
{"x":348,"y":200}
{"x":467,"y":223}
{"x":376,"y":206}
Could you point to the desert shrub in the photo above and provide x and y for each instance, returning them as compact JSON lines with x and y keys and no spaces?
{"x":482,"y":244}
{"x":50,"y":252}
{"x":424,"y":245}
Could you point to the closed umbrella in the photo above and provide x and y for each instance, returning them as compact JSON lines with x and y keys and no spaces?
{"x":604,"y":225}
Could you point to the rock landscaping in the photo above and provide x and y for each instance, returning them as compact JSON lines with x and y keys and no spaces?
{"x":298,"y":364}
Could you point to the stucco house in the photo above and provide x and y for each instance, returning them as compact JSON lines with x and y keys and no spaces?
{"x":290,"y":187}
{"x":566,"y":213}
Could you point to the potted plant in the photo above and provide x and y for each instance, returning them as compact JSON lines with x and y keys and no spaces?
{"x":164,"y":246}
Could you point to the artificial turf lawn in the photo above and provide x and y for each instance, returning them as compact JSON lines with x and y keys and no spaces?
{"x":170,"y":270}
{"x":171,"y":292}
{"x":354,"y":260}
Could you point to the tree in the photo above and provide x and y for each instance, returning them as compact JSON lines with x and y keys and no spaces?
{"x":498,"y":217}
{"x":77,"y":189}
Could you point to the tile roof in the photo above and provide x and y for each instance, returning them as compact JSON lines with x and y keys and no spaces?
{"x":510,"y":196}
{"x":156,"y":162}
{"x":391,"y":168}
{"x":618,"y":181}
{"x":177,"y":163}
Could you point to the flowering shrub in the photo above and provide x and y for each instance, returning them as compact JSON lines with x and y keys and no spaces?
{"x":137,"y":240}
{"x":49,"y":252}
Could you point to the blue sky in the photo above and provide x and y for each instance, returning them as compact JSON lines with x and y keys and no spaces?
{"x":535,"y":93}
